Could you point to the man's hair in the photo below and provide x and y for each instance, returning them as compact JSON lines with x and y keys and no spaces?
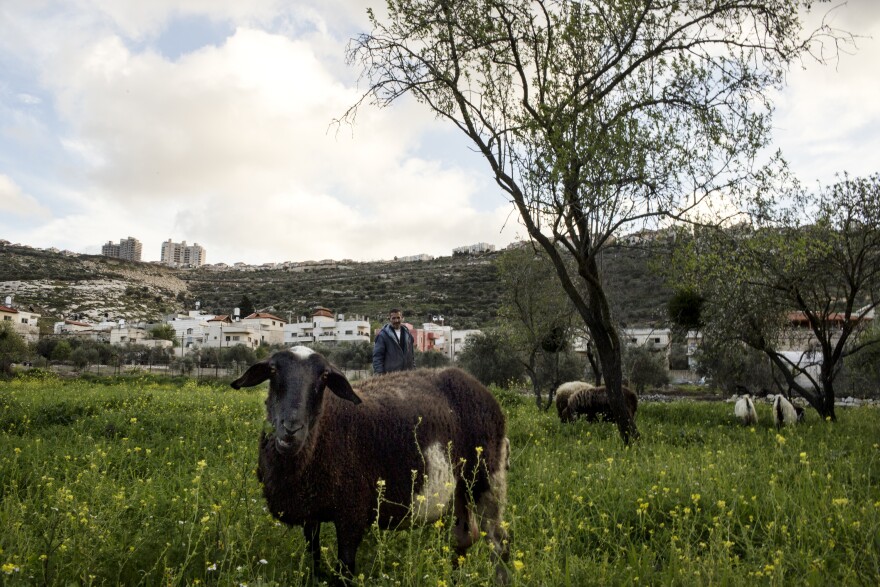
{"x":393,"y":311}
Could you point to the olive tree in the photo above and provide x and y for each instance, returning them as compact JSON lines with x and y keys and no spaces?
{"x":799,"y":283}
{"x":594,"y":117}
{"x":12,"y":347}
{"x":536,"y":316}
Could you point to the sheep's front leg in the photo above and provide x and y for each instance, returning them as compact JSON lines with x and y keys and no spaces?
{"x":312,"y":531}
{"x":348,"y":538}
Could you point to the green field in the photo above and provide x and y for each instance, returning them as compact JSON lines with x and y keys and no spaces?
{"x":143,"y":482}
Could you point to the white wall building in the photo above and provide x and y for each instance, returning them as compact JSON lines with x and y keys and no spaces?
{"x":224,"y":334}
{"x":23,"y":322}
{"x":472,"y":249}
{"x":441,"y":338}
{"x":270,"y":328}
{"x":182,"y":255}
{"x":655,"y":338}
{"x":325,"y":327}
{"x":190,"y":329}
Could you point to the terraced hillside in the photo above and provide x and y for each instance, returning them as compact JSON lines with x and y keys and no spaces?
{"x":465,"y":290}
{"x":88,"y":286}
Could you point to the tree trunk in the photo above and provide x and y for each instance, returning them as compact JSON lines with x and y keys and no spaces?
{"x":608,"y":346}
{"x":594,"y":365}
{"x":822,"y":402}
{"x":532,"y":372}
{"x":828,"y":394}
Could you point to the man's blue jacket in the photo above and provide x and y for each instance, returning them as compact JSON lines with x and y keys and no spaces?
{"x":389,"y":354}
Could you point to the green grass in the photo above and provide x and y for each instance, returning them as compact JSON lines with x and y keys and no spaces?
{"x":139,"y":482}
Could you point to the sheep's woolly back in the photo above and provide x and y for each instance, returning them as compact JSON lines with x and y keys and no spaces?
{"x":564,"y":393}
{"x":784,"y":413}
{"x":594,"y":402}
{"x":745,"y":410}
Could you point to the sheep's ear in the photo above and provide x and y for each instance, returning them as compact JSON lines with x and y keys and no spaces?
{"x":256,"y":374}
{"x":338,"y":384}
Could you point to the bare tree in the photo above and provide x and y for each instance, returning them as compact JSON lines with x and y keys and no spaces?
{"x":595,"y":116}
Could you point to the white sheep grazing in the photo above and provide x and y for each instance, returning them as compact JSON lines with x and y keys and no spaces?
{"x":786,"y":414}
{"x":745,"y":410}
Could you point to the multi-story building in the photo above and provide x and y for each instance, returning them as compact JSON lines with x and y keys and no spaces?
{"x":325,"y":327}
{"x":110,"y":249}
{"x":190,"y":329}
{"x":473,"y":249}
{"x":270,"y":328}
{"x":182,"y":255}
{"x":411,"y":258}
{"x":441,"y":338}
{"x":129,"y":249}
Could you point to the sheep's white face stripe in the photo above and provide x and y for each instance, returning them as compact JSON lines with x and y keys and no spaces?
{"x":301,"y":352}
{"x":439,"y":484}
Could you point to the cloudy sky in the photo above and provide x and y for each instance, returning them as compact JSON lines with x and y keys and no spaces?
{"x":209,"y":121}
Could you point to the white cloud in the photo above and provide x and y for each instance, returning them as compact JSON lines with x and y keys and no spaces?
{"x":827,"y":109}
{"x":231,"y":145}
{"x":29,"y":99}
{"x":16,"y":203}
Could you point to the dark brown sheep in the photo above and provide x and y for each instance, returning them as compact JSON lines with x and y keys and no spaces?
{"x":564,"y":393}
{"x":593,"y":403}
{"x":400,"y":448}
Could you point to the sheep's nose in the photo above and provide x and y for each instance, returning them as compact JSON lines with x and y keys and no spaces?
{"x":291,"y":427}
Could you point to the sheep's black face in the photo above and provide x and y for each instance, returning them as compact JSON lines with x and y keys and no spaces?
{"x":297,"y":380}
{"x":296,"y":391}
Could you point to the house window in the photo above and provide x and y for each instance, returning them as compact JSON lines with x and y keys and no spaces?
{"x":9,"y":318}
{"x":657,"y":340}
{"x":228,"y":339}
{"x":235,"y":338}
{"x":24,"y":320}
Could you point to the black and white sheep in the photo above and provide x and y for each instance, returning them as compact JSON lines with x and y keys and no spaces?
{"x":593,"y":402}
{"x":399,"y":449}
{"x":744,"y":410}
{"x":786,"y":414}
{"x":564,"y":393}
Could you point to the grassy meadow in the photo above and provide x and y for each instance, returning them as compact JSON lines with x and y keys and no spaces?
{"x":144,"y":482}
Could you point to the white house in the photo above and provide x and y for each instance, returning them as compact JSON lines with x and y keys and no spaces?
{"x":190,"y":329}
{"x":269,"y":328}
{"x":325,"y":327}
{"x":23,"y":322}
{"x":655,"y":338}
{"x":441,"y":338}
{"x":457,"y":341}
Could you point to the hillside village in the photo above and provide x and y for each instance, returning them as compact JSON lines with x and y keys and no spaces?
{"x":445,"y":300}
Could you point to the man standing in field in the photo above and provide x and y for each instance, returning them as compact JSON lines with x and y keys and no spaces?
{"x":393,"y":349}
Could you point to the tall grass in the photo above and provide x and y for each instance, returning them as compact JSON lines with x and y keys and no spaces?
{"x":153,"y":483}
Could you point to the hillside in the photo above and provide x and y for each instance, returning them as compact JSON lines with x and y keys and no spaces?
{"x":463,"y":289}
